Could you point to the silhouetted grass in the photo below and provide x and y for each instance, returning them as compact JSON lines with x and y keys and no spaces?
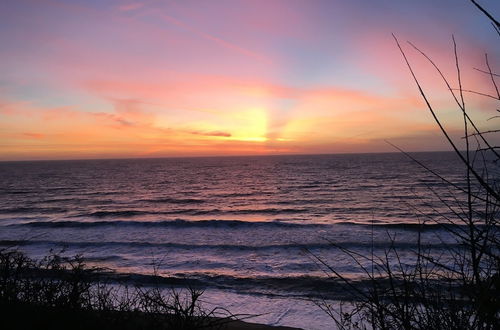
{"x":63,"y":293}
{"x":460,"y":288}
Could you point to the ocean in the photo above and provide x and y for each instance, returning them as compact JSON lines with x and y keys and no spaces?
{"x":249,"y":230}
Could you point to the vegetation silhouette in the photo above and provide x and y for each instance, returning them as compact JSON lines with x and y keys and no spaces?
{"x":60,"y":292}
{"x":459,"y":289}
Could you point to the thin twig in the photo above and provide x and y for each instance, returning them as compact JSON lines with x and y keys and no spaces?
{"x":484,"y":11}
{"x":488,"y":73}
{"x":443,"y":130}
{"x":484,"y":132}
{"x":491,"y":75}
{"x":478,"y":93}
{"x":436,"y":67}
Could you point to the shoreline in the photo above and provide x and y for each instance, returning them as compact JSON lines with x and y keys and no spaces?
{"x":19,"y":316}
{"x":242,"y":325}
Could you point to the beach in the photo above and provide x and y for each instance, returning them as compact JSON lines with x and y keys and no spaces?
{"x":49,"y":318}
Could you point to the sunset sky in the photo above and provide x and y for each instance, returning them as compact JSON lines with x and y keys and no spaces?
{"x":116,"y":78}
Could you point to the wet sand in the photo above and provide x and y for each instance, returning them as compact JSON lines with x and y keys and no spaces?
{"x":240,"y":325}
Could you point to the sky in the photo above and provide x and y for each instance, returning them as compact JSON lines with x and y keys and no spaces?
{"x":167,"y":78}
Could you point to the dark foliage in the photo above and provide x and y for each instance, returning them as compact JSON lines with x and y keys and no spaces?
{"x":63,"y":293}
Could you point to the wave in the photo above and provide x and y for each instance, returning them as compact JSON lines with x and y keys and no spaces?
{"x":104,"y":258}
{"x":271,"y":211}
{"x":237,"y":194}
{"x":232,"y":247}
{"x":40,"y":210}
{"x":178,"y":223}
{"x":289,"y":286}
{"x":194,"y":212}
{"x":18,"y":192}
{"x":404,"y":226}
{"x":124,"y":214}
{"x":174,"y":200}
{"x":301,"y":286}
{"x":136,"y":213}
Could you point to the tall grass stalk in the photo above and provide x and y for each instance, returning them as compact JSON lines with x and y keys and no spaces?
{"x":457,"y":289}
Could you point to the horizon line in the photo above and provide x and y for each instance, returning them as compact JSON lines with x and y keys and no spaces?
{"x":224,"y":156}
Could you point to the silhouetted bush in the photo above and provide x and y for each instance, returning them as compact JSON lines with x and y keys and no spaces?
{"x":63,"y":293}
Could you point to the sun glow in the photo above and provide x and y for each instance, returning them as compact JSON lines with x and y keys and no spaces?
{"x":253,"y":139}
{"x":252,"y":125}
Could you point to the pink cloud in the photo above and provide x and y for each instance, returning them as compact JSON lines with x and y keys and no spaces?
{"x":131,"y":6}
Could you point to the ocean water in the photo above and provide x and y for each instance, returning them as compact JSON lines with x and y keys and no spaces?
{"x":247,"y":229}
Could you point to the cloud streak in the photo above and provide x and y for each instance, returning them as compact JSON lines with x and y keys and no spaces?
{"x":213,"y":133}
{"x":217,"y":40}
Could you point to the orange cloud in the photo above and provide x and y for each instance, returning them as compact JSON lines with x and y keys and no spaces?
{"x":151,"y":120}
{"x":34,"y":135}
{"x":214,"y":133}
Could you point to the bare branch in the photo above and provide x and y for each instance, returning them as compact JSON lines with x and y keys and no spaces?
{"x":477,"y":93}
{"x":485,"y":132}
{"x":481,"y":181}
{"x":487,"y":149}
{"x":484,"y":11}
{"x":491,"y":75}
{"x":459,"y":78}
{"x":496,"y":28}
{"x":453,"y":94}
{"x":432,"y":171}
{"x":488,"y":73}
